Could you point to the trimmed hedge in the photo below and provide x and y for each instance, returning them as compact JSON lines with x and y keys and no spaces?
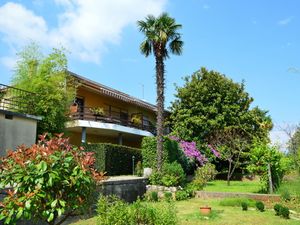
{"x":171,"y":153}
{"x":114,"y":159}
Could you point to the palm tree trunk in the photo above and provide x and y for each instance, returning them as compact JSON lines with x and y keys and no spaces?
{"x":160,"y":85}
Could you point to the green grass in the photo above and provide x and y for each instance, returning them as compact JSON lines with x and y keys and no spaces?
{"x":291,"y":184}
{"x":188,"y":214}
{"x":235,"y":186}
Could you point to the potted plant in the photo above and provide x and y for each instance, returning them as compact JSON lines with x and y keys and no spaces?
{"x":205,"y":210}
{"x":97,"y":111}
{"x":73,"y":107}
{"x":136,"y":120}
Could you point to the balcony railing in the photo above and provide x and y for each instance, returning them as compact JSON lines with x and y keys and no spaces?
{"x":16,"y":100}
{"x":109,"y":116}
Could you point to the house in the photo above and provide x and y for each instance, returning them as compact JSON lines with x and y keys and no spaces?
{"x":101,"y":114}
{"x":18,"y":125}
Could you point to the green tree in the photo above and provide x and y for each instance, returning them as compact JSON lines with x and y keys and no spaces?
{"x":269,"y":163}
{"x":209,"y":102}
{"x":212,"y":109}
{"x":48,"y":181}
{"x":294,"y":146}
{"x":161,"y":38}
{"x":47,"y":77}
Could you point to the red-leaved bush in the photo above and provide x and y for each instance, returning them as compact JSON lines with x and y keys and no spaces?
{"x":48,"y":181}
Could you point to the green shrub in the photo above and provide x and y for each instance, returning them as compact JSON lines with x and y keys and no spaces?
{"x":203,"y":175}
{"x":168,"y":196}
{"x":48,"y":181}
{"x":284,"y":212}
{"x":114,"y":159}
{"x":237,"y":202}
{"x":181,"y":195}
{"x":153,"y":196}
{"x":139,"y":169}
{"x":111,"y":210}
{"x":244,"y":206}
{"x":277,"y":208}
{"x":172,"y":174}
{"x":172,"y":153}
{"x":260,"y":206}
{"x":285,"y":195}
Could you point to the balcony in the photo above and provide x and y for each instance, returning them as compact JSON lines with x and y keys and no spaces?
{"x":112,"y":117}
{"x":16,"y":100}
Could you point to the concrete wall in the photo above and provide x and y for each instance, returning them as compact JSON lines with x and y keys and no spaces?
{"x":128,"y":189}
{"x":16,"y":129}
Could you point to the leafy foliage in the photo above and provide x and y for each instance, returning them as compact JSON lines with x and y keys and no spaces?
{"x":172,"y":174}
{"x":112,"y":210}
{"x":244,"y":206}
{"x":210,"y":102}
{"x":172,"y":153}
{"x":114,"y":159}
{"x":203,"y":175}
{"x":181,"y":195}
{"x":284,"y":212}
{"x":46,"y":180}
{"x":277,"y":208}
{"x":212,"y":109}
{"x":260,"y":206}
{"x":47,"y":77}
{"x":294,"y":148}
{"x":263,"y":154}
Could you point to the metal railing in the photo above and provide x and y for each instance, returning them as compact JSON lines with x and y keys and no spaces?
{"x":16,"y":100}
{"x":85,"y":113}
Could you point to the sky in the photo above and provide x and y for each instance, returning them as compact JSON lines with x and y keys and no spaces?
{"x":252,"y":40}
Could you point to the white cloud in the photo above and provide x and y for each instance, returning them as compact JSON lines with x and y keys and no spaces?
{"x":285,"y":21}
{"x":85,"y":27}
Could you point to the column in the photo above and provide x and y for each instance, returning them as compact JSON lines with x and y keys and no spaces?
{"x":120,"y":139}
{"x":83,"y":135}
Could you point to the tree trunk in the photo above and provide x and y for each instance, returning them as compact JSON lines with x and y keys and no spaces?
{"x":160,"y":85}
{"x":270,"y":179}
{"x":229,"y":173}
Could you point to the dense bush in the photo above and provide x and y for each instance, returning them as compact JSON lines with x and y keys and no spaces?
{"x":203,"y":175}
{"x":260,"y":206}
{"x":49,"y":181}
{"x":277,"y":208}
{"x":284,"y":212}
{"x":168,"y":196}
{"x":172,"y":174}
{"x":244,"y":206}
{"x":153,"y":196}
{"x":112,"y":210}
{"x":172,"y":153}
{"x":114,"y":159}
{"x":181,"y":195}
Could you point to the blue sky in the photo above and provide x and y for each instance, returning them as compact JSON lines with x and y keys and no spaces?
{"x":256,"y":41}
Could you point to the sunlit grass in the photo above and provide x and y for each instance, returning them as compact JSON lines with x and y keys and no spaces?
{"x":235,"y":186}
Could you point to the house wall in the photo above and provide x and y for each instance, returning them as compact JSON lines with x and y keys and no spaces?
{"x":16,"y":129}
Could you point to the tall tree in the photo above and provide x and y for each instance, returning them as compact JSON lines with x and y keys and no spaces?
{"x":212,"y":109}
{"x":161,"y":37}
{"x":47,"y":77}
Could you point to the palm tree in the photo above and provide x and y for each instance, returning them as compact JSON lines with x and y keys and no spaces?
{"x":161,"y":37}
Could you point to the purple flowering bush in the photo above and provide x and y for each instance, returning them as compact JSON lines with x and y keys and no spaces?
{"x":193,"y":153}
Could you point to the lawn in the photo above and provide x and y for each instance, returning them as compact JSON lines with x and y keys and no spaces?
{"x":291,"y":183}
{"x":246,"y":186}
{"x":188,"y":214}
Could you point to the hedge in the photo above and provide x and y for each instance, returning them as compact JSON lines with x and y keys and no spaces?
{"x":114,"y":159}
{"x":171,"y":153}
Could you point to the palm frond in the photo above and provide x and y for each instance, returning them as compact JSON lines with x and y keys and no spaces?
{"x":146,"y":48}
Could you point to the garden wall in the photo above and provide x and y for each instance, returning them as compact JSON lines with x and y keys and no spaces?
{"x":258,"y":197}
